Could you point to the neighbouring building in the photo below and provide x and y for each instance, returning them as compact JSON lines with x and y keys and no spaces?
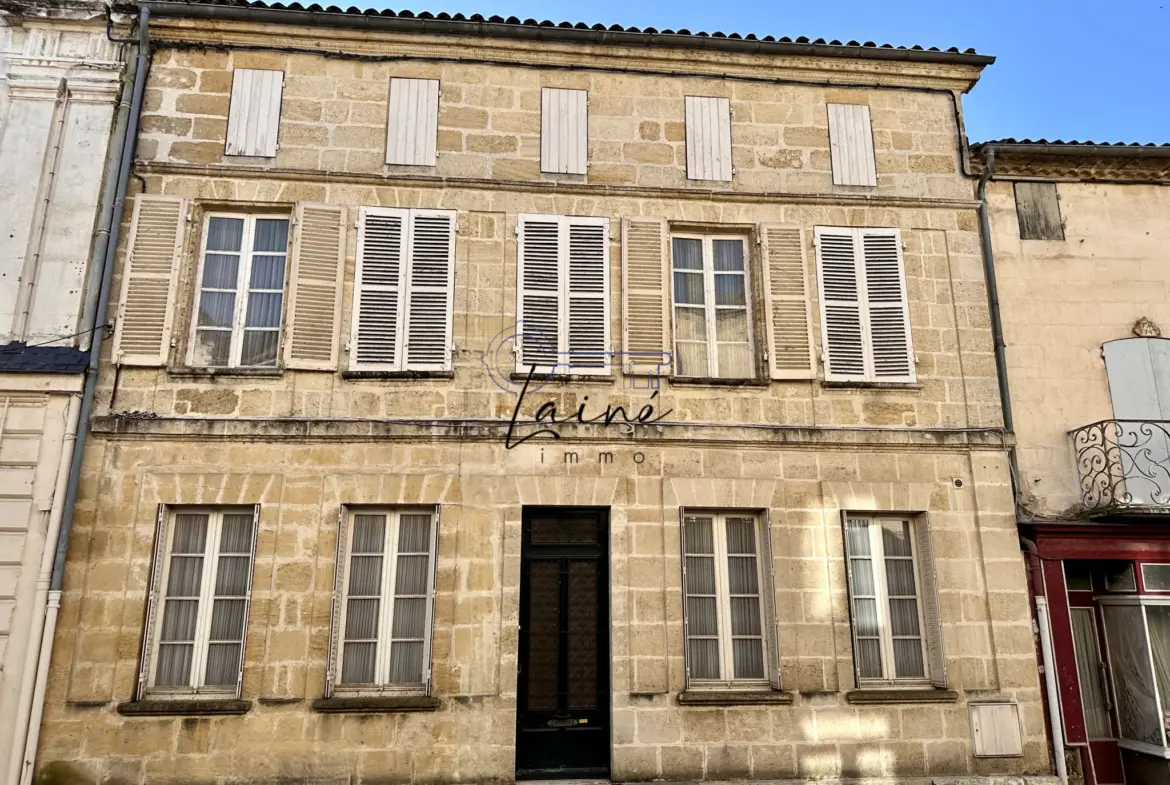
{"x":360,"y":504}
{"x":1080,"y":232}
{"x":59,"y":82}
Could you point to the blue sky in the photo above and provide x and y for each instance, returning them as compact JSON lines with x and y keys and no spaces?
{"x":1069,"y":70}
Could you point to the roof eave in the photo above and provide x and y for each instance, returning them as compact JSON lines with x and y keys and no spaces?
{"x":1082,"y":150}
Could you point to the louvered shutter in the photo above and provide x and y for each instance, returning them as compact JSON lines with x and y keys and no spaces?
{"x":248,"y":599}
{"x":708,"y":122}
{"x":430,"y":290}
{"x":432,"y":578}
{"x":646,"y":292}
{"x":786,"y":300}
{"x":768,"y":592}
{"x":315,"y":288}
{"x":158,"y":555}
{"x":887,"y":309}
{"x":931,"y":617}
{"x":538,"y":297}
{"x":564,"y":131}
{"x":254,"y":114}
{"x":333,"y":663}
{"x":149,"y":281}
{"x":413,"y":122}
{"x":851,"y":145}
{"x":376,"y":329}
{"x":842,"y":334}
{"x":587,"y":294}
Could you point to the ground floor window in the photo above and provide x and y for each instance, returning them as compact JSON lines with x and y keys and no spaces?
{"x":1137,"y":630}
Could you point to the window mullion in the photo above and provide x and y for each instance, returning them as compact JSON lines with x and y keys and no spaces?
{"x":206,"y":599}
{"x":883,"y":598}
{"x":389,"y":570}
{"x":708,"y":259}
{"x":243,"y":280}
{"x":723,"y":598}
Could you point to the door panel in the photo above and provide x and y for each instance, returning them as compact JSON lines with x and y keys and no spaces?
{"x":1104,"y":756}
{"x":562,"y":721}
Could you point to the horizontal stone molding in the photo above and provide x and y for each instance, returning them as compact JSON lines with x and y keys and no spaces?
{"x":152,"y":426}
{"x":356,"y":704}
{"x":194,"y":707}
{"x":735,"y":698}
{"x":878,"y":696}
{"x":216,"y":171}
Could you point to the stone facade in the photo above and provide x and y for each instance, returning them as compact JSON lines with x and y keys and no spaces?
{"x":302,"y":444}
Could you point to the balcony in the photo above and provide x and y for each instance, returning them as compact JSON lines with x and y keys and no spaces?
{"x":1124,"y":466}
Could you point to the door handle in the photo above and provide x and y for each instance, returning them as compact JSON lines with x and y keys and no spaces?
{"x":1103,"y":678}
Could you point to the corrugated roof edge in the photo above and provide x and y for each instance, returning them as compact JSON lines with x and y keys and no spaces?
{"x":513,"y":27}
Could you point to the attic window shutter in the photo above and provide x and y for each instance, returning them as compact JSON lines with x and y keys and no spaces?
{"x":564,"y":131}
{"x":587,"y":275}
{"x":430,"y":290}
{"x":851,"y":145}
{"x":645,"y":281}
{"x":888,"y":311}
{"x":413,"y":122}
{"x":931,"y":618}
{"x":841,"y":328}
{"x":786,"y":297}
{"x":315,"y":288}
{"x":254,"y":116}
{"x":379,"y":285}
{"x":149,"y":281}
{"x":708,"y":122}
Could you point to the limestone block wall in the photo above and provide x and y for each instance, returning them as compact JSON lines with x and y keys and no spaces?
{"x":482,"y":489}
{"x":1061,"y":299}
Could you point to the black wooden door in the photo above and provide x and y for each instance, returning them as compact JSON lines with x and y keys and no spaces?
{"x":562,"y":716}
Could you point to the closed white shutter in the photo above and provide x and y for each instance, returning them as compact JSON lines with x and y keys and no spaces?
{"x":646,"y":292}
{"x":786,"y":300}
{"x":412,"y":128}
{"x":587,"y":275}
{"x":376,"y":327}
{"x":538,"y":296}
{"x":931,"y":617}
{"x":888,"y":312}
{"x":158,"y":559}
{"x":430,"y":290}
{"x":254,"y":116}
{"x":564,"y":131}
{"x":843,"y":340}
{"x":149,"y":281}
{"x":315,"y":287}
{"x":708,"y":138}
{"x":851,"y":145}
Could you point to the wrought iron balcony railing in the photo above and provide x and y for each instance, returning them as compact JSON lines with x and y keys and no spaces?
{"x":1124,"y":465}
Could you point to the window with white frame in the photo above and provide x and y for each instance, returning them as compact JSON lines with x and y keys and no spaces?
{"x":240,"y":298}
{"x":382,"y":632}
{"x":198,"y":604}
{"x":894,"y":606}
{"x":712,"y":320}
{"x":727,"y":609}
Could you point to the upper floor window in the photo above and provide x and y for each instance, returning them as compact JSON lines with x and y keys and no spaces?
{"x":712,"y":320}
{"x":851,"y":145}
{"x":386,"y":585}
{"x":241,"y":291}
{"x":254,"y":114}
{"x":865,"y":316}
{"x":198,"y":604}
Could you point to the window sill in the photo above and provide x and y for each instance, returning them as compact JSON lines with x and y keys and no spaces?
{"x":700,"y":381}
{"x":734,"y":698}
{"x":870,"y":696}
{"x":562,"y":378}
{"x":192,"y":707}
{"x":871,"y":385}
{"x":189,"y":372}
{"x":358,"y":375}
{"x":375,"y":704}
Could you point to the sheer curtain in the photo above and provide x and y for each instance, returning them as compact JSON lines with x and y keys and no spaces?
{"x":1158,"y":618}
{"x":1137,"y":710}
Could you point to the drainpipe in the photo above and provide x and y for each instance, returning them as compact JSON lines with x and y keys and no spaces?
{"x":993,"y":296}
{"x":32,"y":262}
{"x":141,"y":70}
{"x":1050,"y":687}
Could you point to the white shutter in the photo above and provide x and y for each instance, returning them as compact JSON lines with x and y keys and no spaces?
{"x":888,"y":314}
{"x":708,"y":138}
{"x":254,"y":116}
{"x":430,"y":290}
{"x":587,"y":294}
{"x":314,"y":296}
{"x":786,"y":300}
{"x":149,"y":281}
{"x":333,"y":665}
{"x":928,"y":596}
{"x":538,"y":296}
{"x":412,"y":127}
{"x":768,"y":593}
{"x":564,"y":131}
{"x":851,"y":145}
{"x":158,"y":556}
{"x":842,"y":335}
{"x":376,"y":327}
{"x":646,"y":294}
{"x":248,"y":599}
{"x":432,"y":580}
